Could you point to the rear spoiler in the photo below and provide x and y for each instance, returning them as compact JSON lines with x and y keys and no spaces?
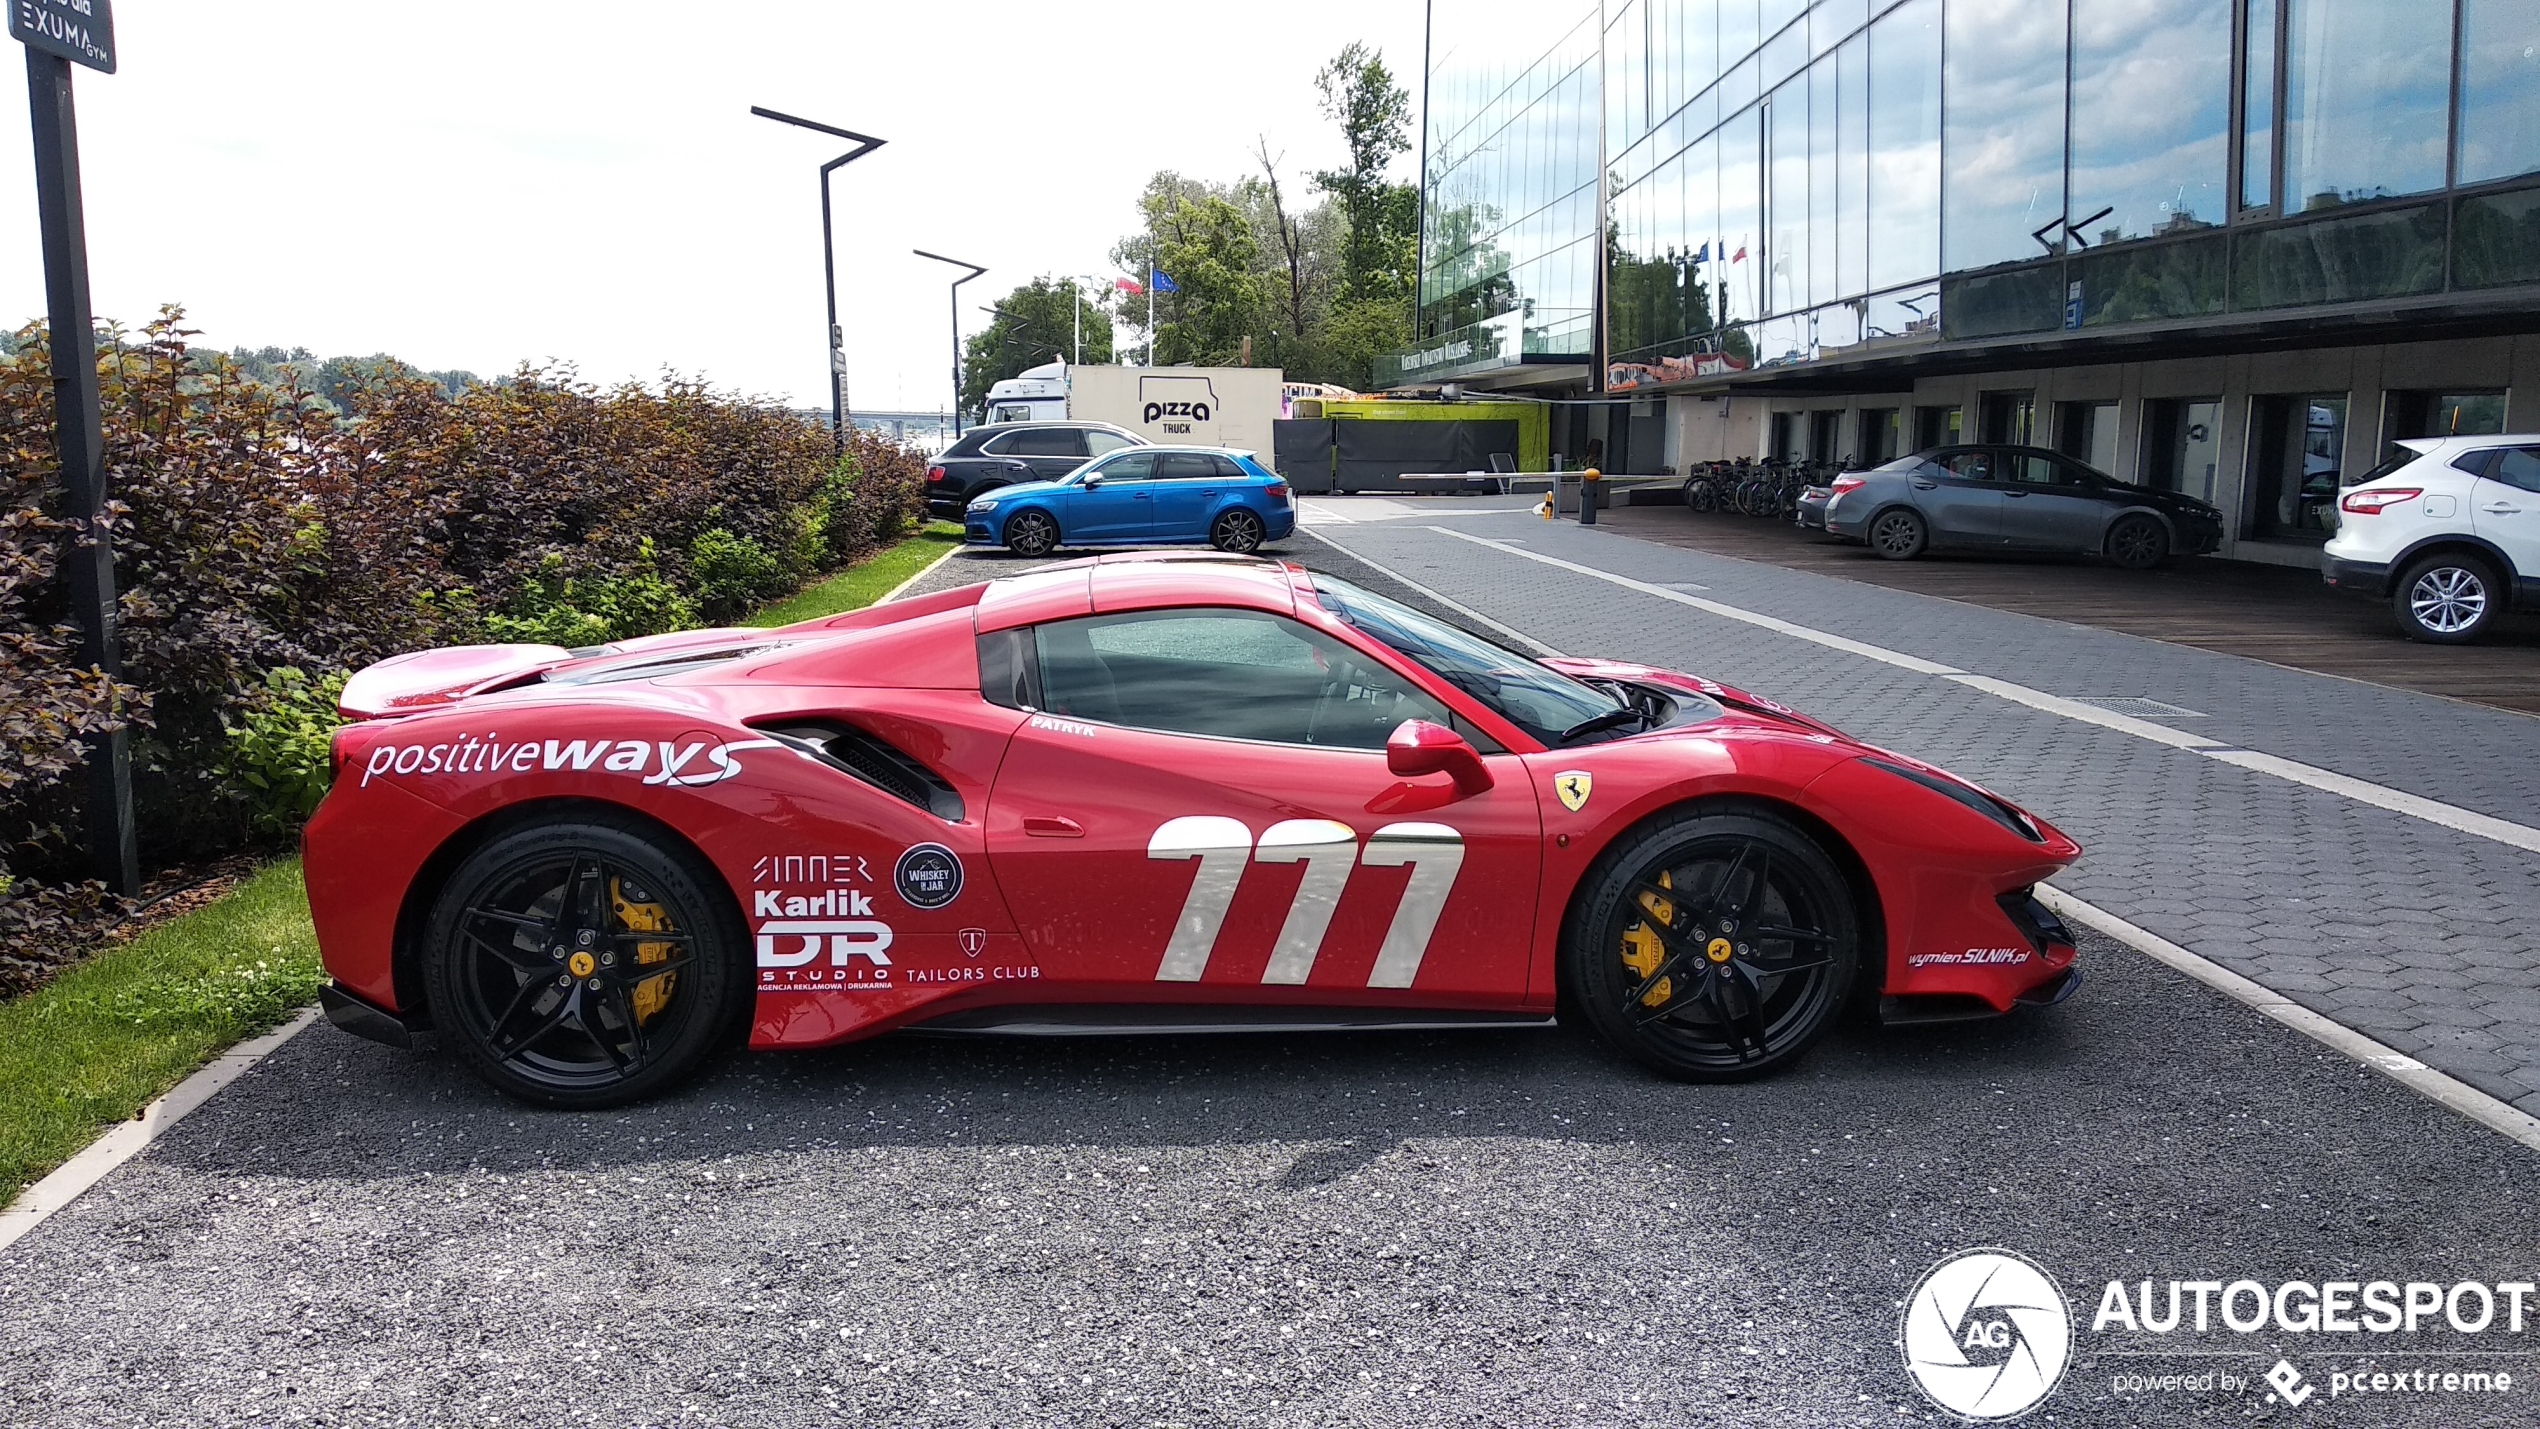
{"x":427,"y":679}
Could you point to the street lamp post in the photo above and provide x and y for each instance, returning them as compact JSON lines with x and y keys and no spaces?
{"x":865,"y":144}
{"x":975,"y":271}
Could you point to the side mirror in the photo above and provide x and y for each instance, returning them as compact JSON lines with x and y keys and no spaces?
{"x":1093,"y":482}
{"x":1418,"y":748}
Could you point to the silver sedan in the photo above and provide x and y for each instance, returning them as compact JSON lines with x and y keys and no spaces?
{"x":2009,"y":498}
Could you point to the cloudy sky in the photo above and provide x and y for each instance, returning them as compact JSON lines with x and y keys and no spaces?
{"x":467,"y":183}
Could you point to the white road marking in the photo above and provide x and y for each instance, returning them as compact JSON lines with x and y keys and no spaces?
{"x":2460,"y":1096}
{"x":2397,"y":801}
{"x":128,"y":1139}
{"x":1459,"y":607}
{"x":1358,"y":511}
{"x":1780,"y":627}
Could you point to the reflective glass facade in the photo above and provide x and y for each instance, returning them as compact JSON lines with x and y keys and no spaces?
{"x":1786,"y":182}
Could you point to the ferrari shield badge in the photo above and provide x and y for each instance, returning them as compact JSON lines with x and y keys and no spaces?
{"x":1573,"y":786}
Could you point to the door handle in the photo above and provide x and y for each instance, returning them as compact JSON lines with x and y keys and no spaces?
{"x":2020,"y":494}
{"x":1927,"y":486}
{"x":1051,"y":826}
{"x":1142,"y":496}
{"x":2501,"y":509}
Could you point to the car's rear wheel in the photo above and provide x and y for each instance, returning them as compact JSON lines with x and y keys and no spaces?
{"x":1899,"y":533}
{"x":584,"y":963}
{"x":1237,"y":530}
{"x":1712,"y":946}
{"x":2138,"y":542}
{"x":1031,"y":533}
{"x":2447,"y":599}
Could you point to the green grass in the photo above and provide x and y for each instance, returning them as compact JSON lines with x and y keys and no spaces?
{"x":864,"y":582}
{"x":97,"y":1044}
{"x":105,"y":1039}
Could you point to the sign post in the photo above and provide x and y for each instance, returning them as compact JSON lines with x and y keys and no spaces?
{"x":58,"y":34}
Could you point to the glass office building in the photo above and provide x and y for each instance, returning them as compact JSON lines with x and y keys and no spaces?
{"x":2232,"y":246}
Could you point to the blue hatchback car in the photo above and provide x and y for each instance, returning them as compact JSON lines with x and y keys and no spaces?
{"x":1145,"y":496}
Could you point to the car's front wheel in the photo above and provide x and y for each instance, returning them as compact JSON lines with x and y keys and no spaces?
{"x":1031,"y":533}
{"x":1237,"y":530}
{"x":1899,"y":533}
{"x":1712,"y":946}
{"x":2446,"y":599}
{"x":584,"y":963}
{"x":2138,"y":542}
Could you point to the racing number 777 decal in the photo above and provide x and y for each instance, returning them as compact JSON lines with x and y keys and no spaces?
{"x":1328,"y":849}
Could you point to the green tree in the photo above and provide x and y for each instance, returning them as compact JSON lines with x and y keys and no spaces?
{"x":1374,"y":114}
{"x":1032,"y":324}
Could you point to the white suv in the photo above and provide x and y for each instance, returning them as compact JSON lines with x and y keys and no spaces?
{"x":2448,"y":531}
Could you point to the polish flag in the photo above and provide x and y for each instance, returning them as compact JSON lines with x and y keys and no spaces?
{"x":1740,"y":255}
{"x":1127,"y":285}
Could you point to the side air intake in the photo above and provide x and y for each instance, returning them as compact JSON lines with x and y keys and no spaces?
{"x":877,"y":762}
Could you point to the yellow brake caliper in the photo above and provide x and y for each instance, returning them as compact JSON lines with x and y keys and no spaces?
{"x":1642,"y":952}
{"x":652,"y":994}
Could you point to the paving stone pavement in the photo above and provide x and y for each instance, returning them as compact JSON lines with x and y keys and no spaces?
{"x":2415,"y":934}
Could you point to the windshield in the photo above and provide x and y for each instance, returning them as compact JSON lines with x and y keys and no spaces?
{"x":1537,"y":700}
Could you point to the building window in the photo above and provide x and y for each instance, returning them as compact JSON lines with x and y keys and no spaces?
{"x":1938,"y":427}
{"x":1878,"y":437}
{"x":2442,"y":414}
{"x":2006,"y":417}
{"x":2367,"y":99}
{"x":2002,"y":133}
{"x":2182,"y":445}
{"x":2500,"y":89}
{"x":2296,"y":446}
{"x":1785,"y":445}
{"x":2088,"y":431}
{"x":1904,"y":141}
{"x":2257,"y":104}
{"x":2151,"y":94}
{"x":1825,"y":433}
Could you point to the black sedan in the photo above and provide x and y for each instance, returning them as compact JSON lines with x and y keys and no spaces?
{"x":2008,"y":498}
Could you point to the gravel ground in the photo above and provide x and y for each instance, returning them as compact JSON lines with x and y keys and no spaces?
{"x":1340,"y":1229}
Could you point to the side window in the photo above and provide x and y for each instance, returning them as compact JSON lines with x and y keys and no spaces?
{"x":999,"y":444}
{"x":1185,"y":466}
{"x":2029,"y":469}
{"x":1228,"y":674}
{"x":1227,"y":468}
{"x":1105,"y":443}
{"x":1970,"y":466}
{"x":1136,"y":466}
{"x":2517,"y":466}
{"x":1047,"y":441}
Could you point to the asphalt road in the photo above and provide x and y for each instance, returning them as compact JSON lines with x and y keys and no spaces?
{"x":1338,"y":1229}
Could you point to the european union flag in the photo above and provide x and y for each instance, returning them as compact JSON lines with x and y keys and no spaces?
{"x":1162,"y":283}
{"x":1703,"y":254}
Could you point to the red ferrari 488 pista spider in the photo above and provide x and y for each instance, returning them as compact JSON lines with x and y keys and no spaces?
{"x":1134,"y":793}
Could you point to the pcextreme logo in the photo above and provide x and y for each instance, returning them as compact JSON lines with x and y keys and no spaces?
{"x":1987,"y":1335}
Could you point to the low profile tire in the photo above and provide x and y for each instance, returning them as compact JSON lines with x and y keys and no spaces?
{"x":1031,"y":533}
{"x":2138,"y":543}
{"x":2447,"y":599}
{"x":1712,"y":947}
{"x":1237,"y":531}
{"x":584,"y":964}
{"x":1899,"y":534}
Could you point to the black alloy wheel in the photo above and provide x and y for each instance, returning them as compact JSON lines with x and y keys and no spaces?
{"x":1899,"y":534}
{"x":1031,"y":533}
{"x":1237,"y":531}
{"x":1712,"y":947}
{"x":583,"y":964}
{"x":2138,"y":542}
{"x":2446,"y":599}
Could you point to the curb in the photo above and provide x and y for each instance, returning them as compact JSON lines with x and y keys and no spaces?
{"x":2496,"y":1115}
{"x":128,"y":1139}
